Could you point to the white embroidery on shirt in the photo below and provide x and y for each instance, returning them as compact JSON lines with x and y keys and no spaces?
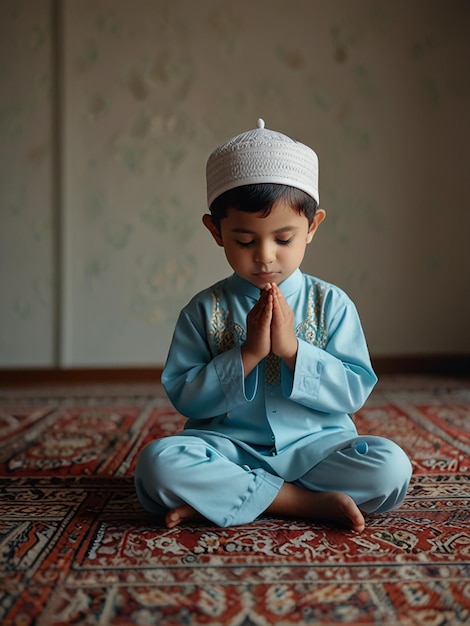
{"x":225,"y":333}
{"x":313,"y":329}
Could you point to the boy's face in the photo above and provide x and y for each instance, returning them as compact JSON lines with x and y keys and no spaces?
{"x":267,"y":249}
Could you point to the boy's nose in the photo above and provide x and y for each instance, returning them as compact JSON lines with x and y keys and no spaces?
{"x":264,"y":254}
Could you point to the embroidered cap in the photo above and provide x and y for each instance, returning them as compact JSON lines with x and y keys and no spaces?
{"x":261,"y":156}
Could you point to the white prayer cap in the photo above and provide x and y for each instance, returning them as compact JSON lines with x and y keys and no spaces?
{"x":261,"y":156}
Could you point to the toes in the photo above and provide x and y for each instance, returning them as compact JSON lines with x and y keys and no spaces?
{"x":172,"y":519}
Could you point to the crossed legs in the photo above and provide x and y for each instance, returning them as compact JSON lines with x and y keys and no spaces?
{"x":184,"y":477}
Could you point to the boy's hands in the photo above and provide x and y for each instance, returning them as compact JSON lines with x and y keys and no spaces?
{"x":283,"y":339}
{"x":258,"y":332}
{"x":269,"y":328}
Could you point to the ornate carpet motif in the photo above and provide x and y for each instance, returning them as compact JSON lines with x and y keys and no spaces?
{"x":76,"y":548}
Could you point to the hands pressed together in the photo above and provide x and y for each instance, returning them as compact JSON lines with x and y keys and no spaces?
{"x":269,"y":328}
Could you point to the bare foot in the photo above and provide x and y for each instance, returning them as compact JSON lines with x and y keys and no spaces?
{"x":183,"y":513}
{"x":331,"y":507}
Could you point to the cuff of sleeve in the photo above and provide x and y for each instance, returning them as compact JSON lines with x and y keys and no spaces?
{"x":305,"y":380}
{"x":229,"y":368}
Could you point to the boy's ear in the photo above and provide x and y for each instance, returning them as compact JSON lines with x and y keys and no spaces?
{"x":212,"y":228}
{"x":317,"y":220}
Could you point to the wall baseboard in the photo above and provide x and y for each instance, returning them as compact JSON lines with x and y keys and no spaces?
{"x":446,"y":365}
{"x":433,"y":364}
{"x":26,"y":377}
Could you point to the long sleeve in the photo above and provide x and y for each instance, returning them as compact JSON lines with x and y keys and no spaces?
{"x":338,"y":377}
{"x":199,"y":384}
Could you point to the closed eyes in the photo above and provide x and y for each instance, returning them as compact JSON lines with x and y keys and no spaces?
{"x":280,"y":242}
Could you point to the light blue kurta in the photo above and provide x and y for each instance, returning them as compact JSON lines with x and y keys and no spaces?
{"x":273,"y":409}
{"x":245,"y":437}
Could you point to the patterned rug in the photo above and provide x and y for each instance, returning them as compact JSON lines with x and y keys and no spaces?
{"x":76,"y":548}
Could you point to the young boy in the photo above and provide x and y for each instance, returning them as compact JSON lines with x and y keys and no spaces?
{"x":268,"y":364}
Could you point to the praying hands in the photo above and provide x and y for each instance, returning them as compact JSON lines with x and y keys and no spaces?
{"x":270,"y":328}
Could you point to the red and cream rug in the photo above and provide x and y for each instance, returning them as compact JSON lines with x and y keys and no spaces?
{"x":76,"y":547}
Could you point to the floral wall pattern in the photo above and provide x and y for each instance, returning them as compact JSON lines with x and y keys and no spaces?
{"x":27,"y":299}
{"x":101,"y":241}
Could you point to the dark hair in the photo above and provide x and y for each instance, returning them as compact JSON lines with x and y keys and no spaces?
{"x":260,"y":198}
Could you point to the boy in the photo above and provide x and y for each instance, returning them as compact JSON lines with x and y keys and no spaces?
{"x":268,"y":364}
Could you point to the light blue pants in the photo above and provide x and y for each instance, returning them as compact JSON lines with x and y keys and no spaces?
{"x":229,"y":486}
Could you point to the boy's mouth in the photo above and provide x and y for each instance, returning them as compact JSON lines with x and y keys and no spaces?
{"x":265,"y":275}
{"x":264,"y":278}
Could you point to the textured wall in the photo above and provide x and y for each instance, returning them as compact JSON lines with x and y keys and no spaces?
{"x":380,"y":90}
{"x":27,"y":303}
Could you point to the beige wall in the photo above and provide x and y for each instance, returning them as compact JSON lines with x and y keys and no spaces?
{"x":101,"y":241}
